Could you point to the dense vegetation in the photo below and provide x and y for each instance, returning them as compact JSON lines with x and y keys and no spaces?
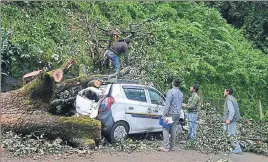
{"x":184,"y":39}
{"x":251,"y":17}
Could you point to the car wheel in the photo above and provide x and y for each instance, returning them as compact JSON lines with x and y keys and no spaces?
{"x":119,"y":131}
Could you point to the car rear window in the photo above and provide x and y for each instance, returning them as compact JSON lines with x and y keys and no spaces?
{"x":135,"y":94}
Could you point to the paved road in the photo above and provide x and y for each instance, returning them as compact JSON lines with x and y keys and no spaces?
{"x":178,"y":155}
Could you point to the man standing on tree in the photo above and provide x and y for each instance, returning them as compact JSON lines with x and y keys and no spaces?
{"x":230,"y":118}
{"x":114,"y":35}
{"x":192,"y":108}
{"x":172,"y":109}
{"x":120,"y":47}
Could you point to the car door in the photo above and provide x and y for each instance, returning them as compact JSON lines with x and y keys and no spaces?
{"x":137,"y":109}
{"x":157,"y":101}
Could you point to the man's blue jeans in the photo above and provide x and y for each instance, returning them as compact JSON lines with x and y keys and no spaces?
{"x":115,"y":60}
{"x":192,"y":119}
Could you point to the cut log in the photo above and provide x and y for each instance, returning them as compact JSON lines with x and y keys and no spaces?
{"x":56,"y":74}
{"x":94,"y":83}
{"x":30,"y":76}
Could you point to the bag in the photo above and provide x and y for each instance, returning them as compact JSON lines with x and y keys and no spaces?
{"x":163,"y":124}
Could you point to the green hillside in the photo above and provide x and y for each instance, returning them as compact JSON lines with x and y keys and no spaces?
{"x":184,"y":39}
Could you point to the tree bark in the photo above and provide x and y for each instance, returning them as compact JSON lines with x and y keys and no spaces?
{"x":26,"y":110}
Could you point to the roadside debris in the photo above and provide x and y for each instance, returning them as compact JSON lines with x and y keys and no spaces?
{"x":31,"y":144}
{"x":253,"y":137}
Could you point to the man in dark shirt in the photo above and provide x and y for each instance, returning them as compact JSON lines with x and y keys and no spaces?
{"x":121,"y":47}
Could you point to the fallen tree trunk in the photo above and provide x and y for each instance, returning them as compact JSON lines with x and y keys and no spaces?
{"x":26,"y":110}
{"x":72,"y":129}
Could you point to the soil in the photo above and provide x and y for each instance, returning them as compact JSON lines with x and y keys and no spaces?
{"x":177,"y":155}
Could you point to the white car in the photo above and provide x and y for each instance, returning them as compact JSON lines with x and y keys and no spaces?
{"x":123,"y":108}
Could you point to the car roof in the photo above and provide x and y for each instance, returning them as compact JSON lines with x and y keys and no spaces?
{"x":125,"y":82}
{"x":129,"y":83}
{"x":134,"y":85}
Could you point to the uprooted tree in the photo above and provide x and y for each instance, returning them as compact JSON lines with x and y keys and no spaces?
{"x":27,"y":109}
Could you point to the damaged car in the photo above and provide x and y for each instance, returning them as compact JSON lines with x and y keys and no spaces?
{"x":123,"y":108}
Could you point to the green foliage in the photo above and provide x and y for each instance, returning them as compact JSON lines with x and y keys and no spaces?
{"x":11,"y":55}
{"x":251,"y":17}
{"x":44,"y":34}
{"x":208,"y":51}
{"x":184,"y":39}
